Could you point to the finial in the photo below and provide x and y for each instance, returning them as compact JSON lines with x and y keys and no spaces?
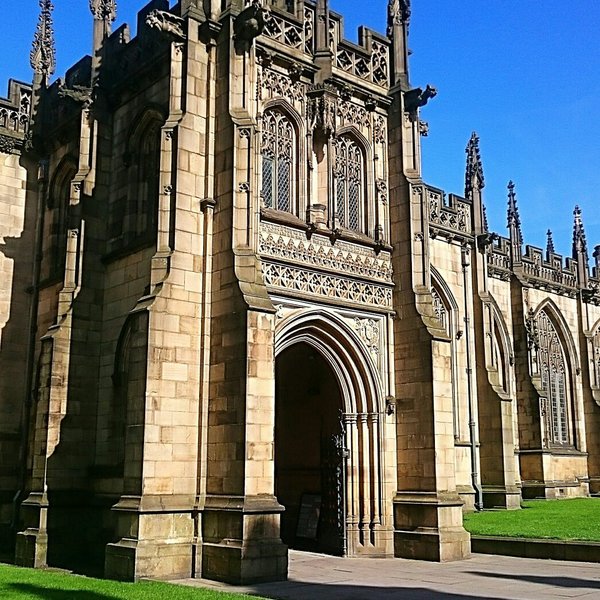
{"x":43,"y":52}
{"x":398,"y":13}
{"x":514,"y":220}
{"x":579,"y":239}
{"x":104,"y":10}
{"x":474,"y":172}
{"x":486,"y":226}
{"x":549,"y":243}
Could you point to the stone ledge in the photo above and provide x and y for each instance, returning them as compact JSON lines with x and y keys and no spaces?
{"x":536,"y":548}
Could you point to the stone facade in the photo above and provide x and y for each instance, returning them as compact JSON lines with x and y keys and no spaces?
{"x":253,"y":324}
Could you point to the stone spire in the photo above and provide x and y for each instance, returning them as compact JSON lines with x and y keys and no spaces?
{"x":323,"y":55}
{"x":549,"y":243}
{"x":397,"y":31}
{"x":579,"y":239}
{"x":514,"y":225}
{"x":43,"y":52}
{"x":474,"y":173}
{"x":580,"y":249}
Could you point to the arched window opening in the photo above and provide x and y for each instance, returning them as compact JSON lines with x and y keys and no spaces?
{"x":553,"y":371}
{"x":499,"y":359}
{"x":148,"y":178}
{"x":349,"y":184}
{"x":278,"y":151}
{"x":134,"y":215}
{"x":441,"y":310}
{"x":58,"y":206}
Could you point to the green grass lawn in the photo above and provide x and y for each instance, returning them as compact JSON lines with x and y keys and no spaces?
{"x":33,"y":584}
{"x":573,"y":519}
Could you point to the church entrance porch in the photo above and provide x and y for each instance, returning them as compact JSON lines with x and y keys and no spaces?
{"x":310,"y":460}
{"x":329,"y":440}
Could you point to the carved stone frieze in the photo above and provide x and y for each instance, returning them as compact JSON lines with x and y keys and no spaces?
{"x":328,"y":286}
{"x":288,"y":244}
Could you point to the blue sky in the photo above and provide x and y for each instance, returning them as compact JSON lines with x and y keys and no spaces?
{"x":525,"y":74}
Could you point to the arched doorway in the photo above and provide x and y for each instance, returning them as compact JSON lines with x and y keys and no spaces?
{"x":330,"y":427}
{"x":310,"y":468}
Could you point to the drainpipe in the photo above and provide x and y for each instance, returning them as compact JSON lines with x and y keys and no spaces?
{"x":42,"y":182}
{"x":465,"y":262}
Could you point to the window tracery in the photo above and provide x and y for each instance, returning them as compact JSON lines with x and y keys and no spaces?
{"x":278,"y":151}
{"x":553,"y":371}
{"x":349,"y":184}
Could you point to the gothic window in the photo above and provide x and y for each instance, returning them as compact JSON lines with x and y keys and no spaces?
{"x":57,"y":225}
{"x":148,"y":177}
{"x":349,"y":184}
{"x":499,"y":358}
{"x":278,"y":153}
{"x":134,"y":215}
{"x":553,"y":371}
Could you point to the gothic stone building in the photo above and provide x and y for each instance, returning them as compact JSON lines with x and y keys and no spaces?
{"x":234,"y":319}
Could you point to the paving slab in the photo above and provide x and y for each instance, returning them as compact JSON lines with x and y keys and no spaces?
{"x":319,"y":577}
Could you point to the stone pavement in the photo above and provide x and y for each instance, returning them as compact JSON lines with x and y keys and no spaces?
{"x":316,"y":577}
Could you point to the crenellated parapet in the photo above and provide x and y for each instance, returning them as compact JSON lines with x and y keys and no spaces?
{"x":449,"y":216}
{"x":15,"y":112}
{"x":550,"y":273}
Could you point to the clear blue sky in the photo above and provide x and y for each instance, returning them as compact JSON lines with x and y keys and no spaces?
{"x":525,"y":74}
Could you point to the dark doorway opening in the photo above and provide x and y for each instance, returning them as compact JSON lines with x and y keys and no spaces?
{"x":310,"y":457}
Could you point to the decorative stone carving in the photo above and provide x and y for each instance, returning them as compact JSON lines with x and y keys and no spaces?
{"x":167,"y":23}
{"x":43,"y":52}
{"x":323,"y":108}
{"x":353,"y":114}
{"x":249,"y":24}
{"x":457,"y":217}
{"x":474,"y":170}
{"x":275,"y":85}
{"x":380,"y":64}
{"x":368,"y":330}
{"x":380,"y":130}
{"x":7,"y":144}
{"x":78,"y":93}
{"x":332,"y":287}
{"x":104,"y":10}
{"x":382,"y":190}
{"x":285,"y":243}
{"x":533,"y":340}
{"x":398,"y":13}
{"x":417,"y":97}
{"x":440,"y":310}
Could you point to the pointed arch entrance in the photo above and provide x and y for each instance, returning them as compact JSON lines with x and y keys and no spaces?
{"x":328,"y":438}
